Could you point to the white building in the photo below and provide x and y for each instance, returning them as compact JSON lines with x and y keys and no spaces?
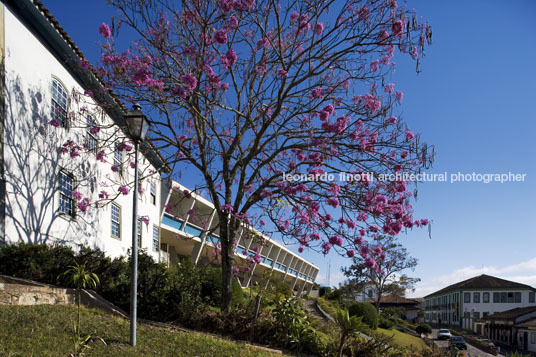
{"x":463,"y":303}
{"x":43,"y":79}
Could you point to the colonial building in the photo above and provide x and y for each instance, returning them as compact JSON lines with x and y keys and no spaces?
{"x":463,"y":303}
{"x":510,"y":327}
{"x":47,"y":80}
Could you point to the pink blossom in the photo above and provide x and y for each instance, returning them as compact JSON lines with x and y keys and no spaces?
{"x":319,"y":28}
{"x":398,"y":27}
{"x":227,"y":208}
{"x":282,"y":72}
{"x":300,"y":249}
{"x":145,"y":220}
{"x":370,"y":263}
{"x":383,"y":36}
{"x":333,"y":201}
{"x":424,"y":222}
{"x":103,"y":195}
{"x":231,"y":57}
{"x":409,"y":135}
{"x":326,"y":247}
{"x":104,"y":30}
{"x":358,"y":240}
{"x":263,"y":43}
{"x":187,"y":194}
{"x":389,"y":88}
{"x":77,"y":195}
{"x":350,"y":253}
{"x":336,"y":240}
{"x":124,"y":190}
{"x":54,"y":123}
{"x":83,"y":205}
{"x":220,"y":36}
{"x":232,"y":23}
{"x":399,"y":96}
{"x":190,"y":81}
{"x":318,"y":92}
{"x":236,"y":271}
{"x":226,"y":5}
{"x":294,"y":16}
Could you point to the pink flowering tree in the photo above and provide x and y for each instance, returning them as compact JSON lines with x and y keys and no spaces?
{"x":246,"y":93}
{"x":381,"y":263}
{"x":95,"y":135}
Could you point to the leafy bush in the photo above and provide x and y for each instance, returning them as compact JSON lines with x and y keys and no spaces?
{"x":336,"y":294}
{"x":164,"y":293}
{"x":423,"y":329}
{"x":323,"y":290}
{"x":293,"y":328}
{"x":38,"y":262}
{"x":365,"y":309}
{"x":385,"y":322}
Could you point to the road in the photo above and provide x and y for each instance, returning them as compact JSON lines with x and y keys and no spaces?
{"x":471,"y":351}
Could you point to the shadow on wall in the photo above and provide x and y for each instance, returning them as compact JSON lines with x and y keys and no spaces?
{"x":32,"y":163}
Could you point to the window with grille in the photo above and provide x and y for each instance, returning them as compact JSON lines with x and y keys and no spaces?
{"x":138,"y":235}
{"x":485,"y":298}
{"x":59,"y":103}
{"x":66,"y":187}
{"x":116,"y":221}
{"x":155,"y":237}
{"x":476,"y":297}
{"x":466,"y":298}
{"x":91,"y":135}
{"x":118,"y":160}
{"x":153,"y":193}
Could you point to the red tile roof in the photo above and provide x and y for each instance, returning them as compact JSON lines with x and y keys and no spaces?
{"x":482,"y":282}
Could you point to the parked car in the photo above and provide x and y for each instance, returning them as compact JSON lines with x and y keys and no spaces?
{"x":458,"y":342}
{"x":443,"y":334}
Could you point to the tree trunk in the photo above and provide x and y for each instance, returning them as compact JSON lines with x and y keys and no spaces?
{"x":227,"y":261}
{"x":378,"y":301}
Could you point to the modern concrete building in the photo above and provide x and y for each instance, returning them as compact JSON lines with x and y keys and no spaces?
{"x":463,"y":303}
{"x":189,"y":229}
{"x":45,"y":78}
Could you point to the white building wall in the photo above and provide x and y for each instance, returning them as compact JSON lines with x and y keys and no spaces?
{"x":32,"y":161}
{"x":491,"y":307}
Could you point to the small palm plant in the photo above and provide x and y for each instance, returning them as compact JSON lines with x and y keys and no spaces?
{"x":82,"y":279}
{"x":348,"y":326}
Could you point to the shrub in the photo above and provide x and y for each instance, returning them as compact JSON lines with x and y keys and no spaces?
{"x":293,"y":328}
{"x":323,"y":290}
{"x":385,"y":322}
{"x":38,"y":262}
{"x":365,"y":309}
{"x":423,"y":329}
{"x":336,"y":294}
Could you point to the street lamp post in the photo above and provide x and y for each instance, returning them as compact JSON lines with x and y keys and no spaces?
{"x":137,"y":125}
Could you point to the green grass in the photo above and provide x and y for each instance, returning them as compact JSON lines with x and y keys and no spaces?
{"x":404,"y":339}
{"x":45,"y":330}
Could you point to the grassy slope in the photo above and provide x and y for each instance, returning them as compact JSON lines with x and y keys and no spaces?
{"x":404,"y":339}
{"x":45,"y":330}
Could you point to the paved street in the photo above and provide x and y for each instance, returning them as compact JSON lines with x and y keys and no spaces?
{"x":471,"y":351}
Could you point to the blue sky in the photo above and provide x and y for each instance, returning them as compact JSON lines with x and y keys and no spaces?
{"x":473,"y":101}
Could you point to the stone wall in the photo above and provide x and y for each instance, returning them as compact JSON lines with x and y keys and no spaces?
{"x":16,"y":291}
